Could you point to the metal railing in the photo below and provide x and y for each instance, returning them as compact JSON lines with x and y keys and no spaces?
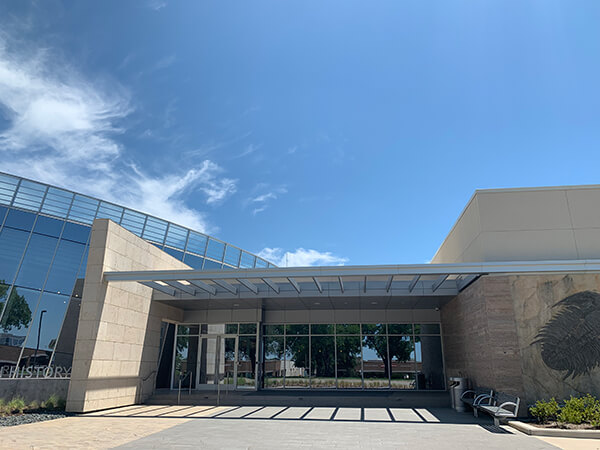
{"x":141,"y":386}
{"x":182,"y":377}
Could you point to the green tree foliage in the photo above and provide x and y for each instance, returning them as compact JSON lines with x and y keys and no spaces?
{"x":18,"y":313}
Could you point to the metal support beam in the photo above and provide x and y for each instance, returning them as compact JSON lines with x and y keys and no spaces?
{"x":225,"y":285}
{"x":438,"y":282}
{"x":271,"y":284}
{"x":295,"y":284}
{"x":159,"y":287}
{"x":251,"y":286}
{"x":465,"y":281}
{"x":365,"y":285}
{"x":204,"y":286}
{"x":318,"y":284}
{"x":388,"y":286}
{"x":188,"y":289}
{"x":341,"y":284}
{"x":413,"y":283}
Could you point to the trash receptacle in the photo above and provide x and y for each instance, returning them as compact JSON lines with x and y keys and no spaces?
{"x":457,"y":385}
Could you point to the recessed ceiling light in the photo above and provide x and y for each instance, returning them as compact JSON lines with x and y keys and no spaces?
{"x":373,"y":303}
{"x":317,"y":303}
{"x":236,"y":304}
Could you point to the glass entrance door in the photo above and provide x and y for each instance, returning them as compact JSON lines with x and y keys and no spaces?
{"x":216,"y":362}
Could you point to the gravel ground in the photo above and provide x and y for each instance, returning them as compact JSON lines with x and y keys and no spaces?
{"x":31,"y":417}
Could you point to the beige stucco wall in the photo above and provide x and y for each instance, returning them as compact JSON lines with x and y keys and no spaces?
{"x":526,"y":224}
{"x":491,"y":332}
{"x":117,"y":343}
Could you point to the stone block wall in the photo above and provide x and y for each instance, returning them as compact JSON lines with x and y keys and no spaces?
{"x":117,"y":345}
{"x":535,"y":336}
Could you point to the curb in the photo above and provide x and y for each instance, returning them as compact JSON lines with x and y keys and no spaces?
{"x":553,"y":432}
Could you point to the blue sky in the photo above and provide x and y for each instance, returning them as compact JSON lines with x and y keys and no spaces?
{"x":336,"y":132}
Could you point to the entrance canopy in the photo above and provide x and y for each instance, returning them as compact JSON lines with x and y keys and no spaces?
{"x":419,"y":286}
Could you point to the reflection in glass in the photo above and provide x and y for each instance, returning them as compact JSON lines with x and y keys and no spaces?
{"x":186,"y":358}
{"x":345,"y":328}
{"x":322,"y":365}
{"x":12,"y":244}
{"x":48,"y":226}
{"x":231,"y":328}
{"x":427,"y":328}
{"x":375,"y":361}
{"x":321,"y":328}
{"x":185,"y":330}
{"x":37,"y":261}
{"x":402,"y":354}
{"x":247,"y":328}
{"x":273,"y":329}
{"x":430,"y":365}
{"x":64,"y":268}
{"x":246,"y":362}
{"x":274,"y":369}
{"x":19,"y":219}
{"x":348,"y":362}
{"x":296,"y":329}
{"x":227,"y":366}
{"x":373,"y":328}
{"x":400,"y":328}
{"x":297,"y":362}
{"x":44,"y":330}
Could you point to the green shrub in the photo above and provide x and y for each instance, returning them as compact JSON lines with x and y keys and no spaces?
{"x":16,"y":405}
{"x":544,"y":411}
{"x":34,"y":405}
{"x":52,"y":402}
{"x":573,"y":411}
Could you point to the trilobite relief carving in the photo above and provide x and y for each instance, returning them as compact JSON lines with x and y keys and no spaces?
{"x":570,"y":340}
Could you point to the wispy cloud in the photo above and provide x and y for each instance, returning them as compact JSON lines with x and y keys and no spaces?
{"x":64,"y":129}
{"x":250,"y":149}
{"x":262,"y":201}
{"x":301,"y":257}
{"x":156,"y":5}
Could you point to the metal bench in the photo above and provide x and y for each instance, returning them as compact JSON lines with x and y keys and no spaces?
{"x":502,"y":407}
{"x":474,"y":397}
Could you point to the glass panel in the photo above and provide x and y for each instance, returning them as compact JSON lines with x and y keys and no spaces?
{"x":83,"y":209}
{"x":63,"y":352}
{"x":215,"y":328}
{"x":375,"y":328}
{"x":322,"y":329}
{"x":430,"y":365}
{"x":231,"y":328}
{"x":227,"y":371}
{"x":400,"y":328}
{"x":261,"y":263}
{"x":76,"y":232}
{"x":110,"y":211}
{"x":208,"y":361}
{"x":174,"y":253}
{"x":29,"y":195}
{"x":42,"y":339}
{"x":427,"y":328}
{"x":297,"y":362}
{"x":247,"y":260}
{"x":322,"y":359}
{"x":195,"y":262}
{"x":247,"y":328}
{"x":274,"y":370}
{"x":57,"y":202}
{"x":375,"y":361}
{"x":247,"y":361}
{"x":402,"y":354}
{"x":176,"y":236}
{"x":186,"y":330}
{"x":196,"y":243}
{"x":15,"y":322}
{"x":3,"y":211}
{"x":215,"y":250}
{"x":273,"y":329}
{"x":50,"y":227}
{"x":163,"y":376}
{"x":12,"y":245}
{"x":296,"y":329}
{"x":208,"y":265}
{"x":8,"y":186}
{"x":347,"y":328}
{"x":19,"y":219}
{"x":155,"y":230}
{"x":348,"y":362}
{"x":133,"y":221}
{"x":232,"y":255}
{"x":37,"y":261}
{"x":64,"y":268}
{"x":186,"y":358}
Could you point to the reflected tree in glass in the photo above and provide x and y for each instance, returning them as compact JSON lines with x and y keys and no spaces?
{"x":247,"y":361}
{"x":297,"y":361}
{"x":322,"y":362}
{"x":348,"y":362}
{"x":402,"y":352}
{"x":18,"y":313}
{"x":274,"y":369}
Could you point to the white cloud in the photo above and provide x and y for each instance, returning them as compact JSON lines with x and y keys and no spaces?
{"x":261,"y":202}
{"x":63,"y":129}
{"x":301,"y":257}
{"x":156,"y":5}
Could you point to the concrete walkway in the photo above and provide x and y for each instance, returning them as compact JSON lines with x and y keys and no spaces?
{"x":253,"y":427}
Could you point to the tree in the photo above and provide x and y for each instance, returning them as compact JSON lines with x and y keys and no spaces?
{"x":18,"y":313}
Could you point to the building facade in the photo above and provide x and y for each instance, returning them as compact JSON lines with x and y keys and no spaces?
{"x":117,"y":307}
